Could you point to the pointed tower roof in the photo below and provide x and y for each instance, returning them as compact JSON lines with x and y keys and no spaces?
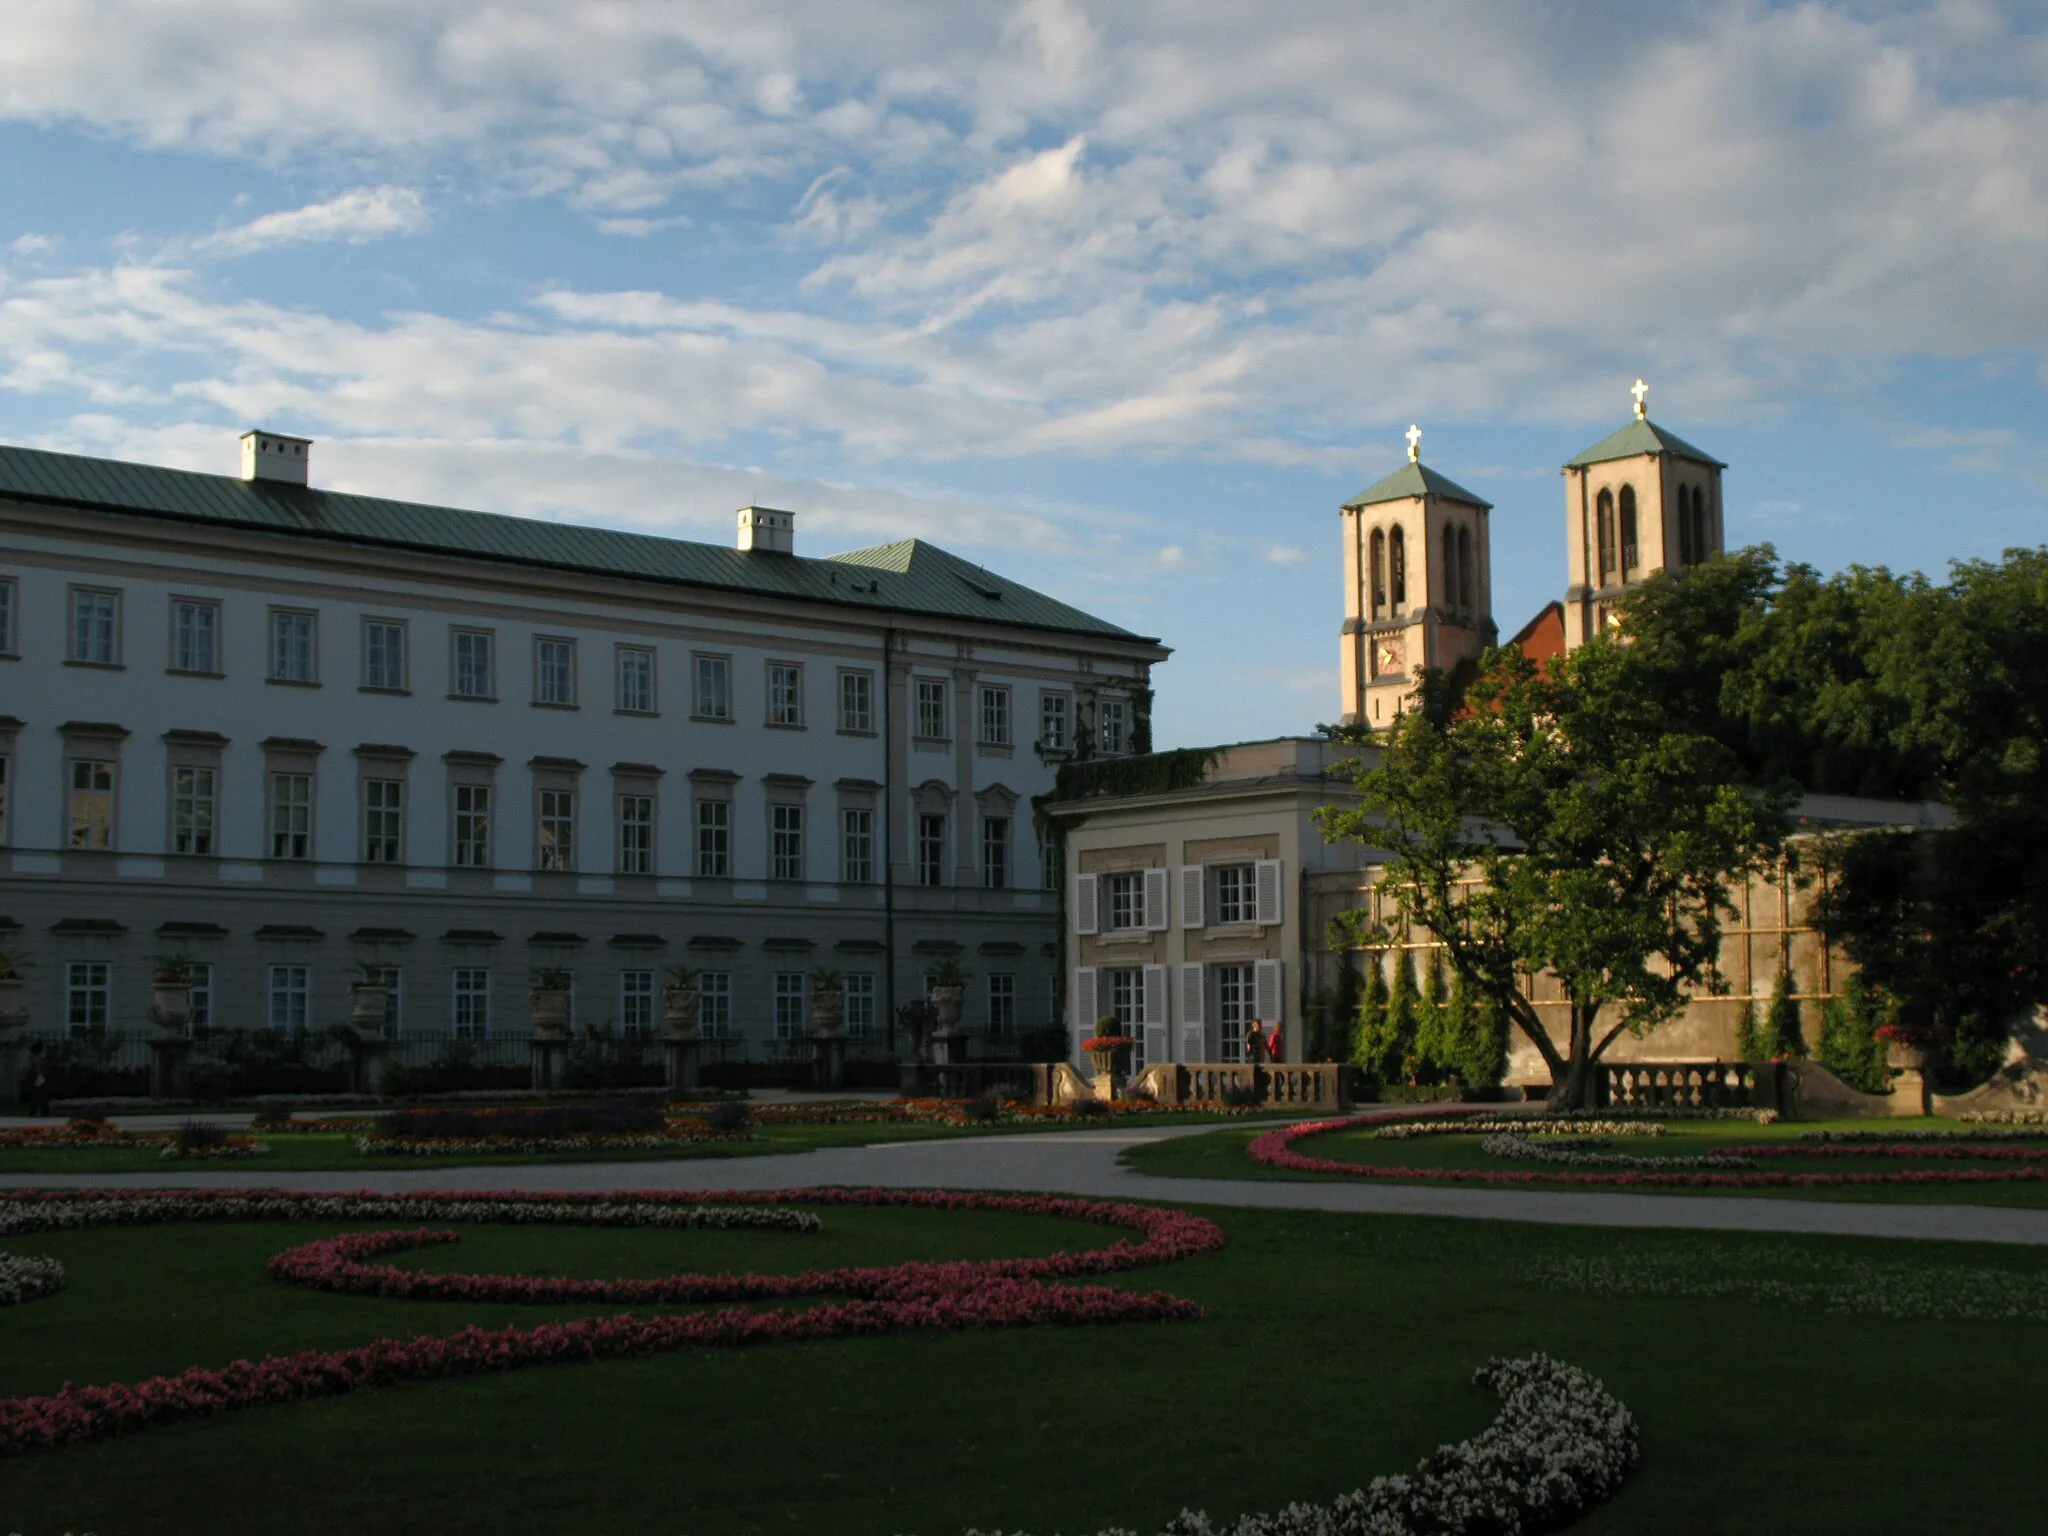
{"x":1639,"y":437}
{"x":1415,"y":479}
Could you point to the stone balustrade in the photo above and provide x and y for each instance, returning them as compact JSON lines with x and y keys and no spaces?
{"x":1692,"y":1085}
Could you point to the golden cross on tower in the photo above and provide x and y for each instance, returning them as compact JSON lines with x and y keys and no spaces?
{"x":1414,"y":443}
{"x":1642,"y":393}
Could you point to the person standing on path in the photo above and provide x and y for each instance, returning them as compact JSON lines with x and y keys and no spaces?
{"x":35,"y":1081}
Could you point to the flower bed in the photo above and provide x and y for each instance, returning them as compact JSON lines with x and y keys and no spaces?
{"x":989,"y":1293}
{"x":953,"y":1112}
{"x":1561,"y":1445}
{"x":1275,"y":1149}
{"x":25,"y":1276}
{"x":235,"y":1148}
{"x":1573,"y":1152}
{"x":2004,"y":1116}
{"x":380,"y":1145}
{"x":1525,"y":1125}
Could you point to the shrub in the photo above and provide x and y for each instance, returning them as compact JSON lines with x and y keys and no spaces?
{"x":985,"y":1107}
{"x":1784,"y":1034}
{"x":1750,"y":1044}
{"x":1089,"y":1109}
{"x":201,"y":1136}
{"x":1242,"y":1095}
{"x":1850,"y":1046}
{"x":731,"y":1116}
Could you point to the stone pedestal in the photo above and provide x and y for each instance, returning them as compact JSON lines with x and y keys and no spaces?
{"x":828,"y":1061}
{"x":949,"y":1060}
{"x":1110,"y":1071}
{"x":170,"y":1067}
{"x":550,"y":1056}
{"x":681,"y":1054}
{"x":13,"y":1052}
{"x":368,"y":1054}
{"x":1910,"y":1092}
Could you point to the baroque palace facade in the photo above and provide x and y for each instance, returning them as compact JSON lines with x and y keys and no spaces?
{"x":1200,"y":909}
{"x":292,"y":732}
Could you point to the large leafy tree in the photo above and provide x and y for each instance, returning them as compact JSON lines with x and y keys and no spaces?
{"x":1575,"y":819}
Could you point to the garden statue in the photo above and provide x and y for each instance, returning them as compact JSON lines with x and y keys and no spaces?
{"x":681,"y":1008}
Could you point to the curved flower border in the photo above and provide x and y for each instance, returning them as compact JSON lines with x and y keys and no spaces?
{"x":1561,"y":1445}
{"x":990,"y":1293}
{"x":1275,"y":1149}
{"x":25,"y":1276}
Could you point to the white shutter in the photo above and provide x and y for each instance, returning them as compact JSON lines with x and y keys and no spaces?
{"x":1154,"y":1018}
{"x":1266,"y":984}
{"x":1191,"y":895}
{"x":1156,"y":917}
{"x":1084,"y":904}
{"x":1085,"y":1011}
{"x":1194,"y":1036}
{"x":1267,"y":876}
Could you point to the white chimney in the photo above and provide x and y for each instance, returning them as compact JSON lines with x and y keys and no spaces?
{"x":767,"y":531}
{"x":271,"y":456}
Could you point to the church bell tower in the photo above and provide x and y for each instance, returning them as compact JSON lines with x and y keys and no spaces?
{"x":1418,"y":587}
{"x":1641,"y":501}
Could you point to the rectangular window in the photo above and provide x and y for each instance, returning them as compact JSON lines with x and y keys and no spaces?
{"x":472,"y":826}
{"x":291,"y":647}
{"x":1048,"y":865}
{"x":8,"y":646}
{"x":291,"y":1001}
{"x":475,"y":675}
{"x":95,"y":627}
{"x":195,"y":636}
{"x":1126,"y":901}
{"x":91,"y":812}
{"x":554,"y":671}
{"x":785,"y":694}
{"x":1127,"y":998}
{"x":192,"y":810}
{"x":714,"y":688}
{"x":88,"y":997}
{"x":291,"y":816}
{"x":931,"y":850}
{"x":1237,"y":1009}
{"x":472,"y":1010}
{"x":200,"y":998}
{"x":714,"y":1004}
{"x":860,"y":1004}
{"x":383,"y":821}
{"x":786,"y":842}
{"x":557,"y":828}
{"x":636,"y":834}
{"x":714,"y":839}
{"x":636,"y":1002}
{"x":789,"y":1005}
{"x":856,"y":701}
{"x":1002,"y":1003}
{"x":636,"y":679}
{"x":995,"y":852}
{"x":1114,"y":716}
{"x":384,"y":655}
{"x":857,"y":847}
{"x":995,"y":717}
{"x":931,"y":710}
{"x":1055,"y":716}
{"x":1237,"y":899}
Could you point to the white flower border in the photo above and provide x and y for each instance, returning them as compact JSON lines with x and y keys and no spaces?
{"x":1562,"y":1445}
{"x":26,"y":1276}
{"x":1526,"y":1125}
{"x":1527,"y":1149}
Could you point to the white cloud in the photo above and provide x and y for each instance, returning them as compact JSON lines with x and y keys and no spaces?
{"x":365,"y":213}
{"x":1286,"y":554}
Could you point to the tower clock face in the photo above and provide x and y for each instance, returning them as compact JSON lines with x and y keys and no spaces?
{"x":1389,"y":654}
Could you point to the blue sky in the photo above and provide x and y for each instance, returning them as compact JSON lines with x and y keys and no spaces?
{"x":1122,"y":300}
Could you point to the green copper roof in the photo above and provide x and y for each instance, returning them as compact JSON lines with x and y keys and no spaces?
{"x":1639,"y":437}
{"x":907,"y":577}
{"x":1414,"y":479}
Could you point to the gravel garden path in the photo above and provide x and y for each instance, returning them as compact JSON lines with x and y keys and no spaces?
{"x":1085,"y":1163}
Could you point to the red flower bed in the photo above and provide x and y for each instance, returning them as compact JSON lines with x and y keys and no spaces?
{"x":1276,"y":1150}
{"x":992,"y":1293}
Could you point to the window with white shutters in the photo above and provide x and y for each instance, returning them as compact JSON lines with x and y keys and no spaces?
{"x":1193,"y":1030}
{"x":1267,"y":980}
{"x":1084,"y":904}
{"x":1269,"y":891}
{"x":1153,"y":1017}
{"x":1191,"y":894}
{"x":1155,"y":900}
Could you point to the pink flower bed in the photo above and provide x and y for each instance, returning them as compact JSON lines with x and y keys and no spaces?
{"x":991,"y":1293}
{"x":1276,"y":1150}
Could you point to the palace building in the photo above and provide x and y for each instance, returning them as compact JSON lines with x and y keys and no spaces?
{"x":291,"y":732}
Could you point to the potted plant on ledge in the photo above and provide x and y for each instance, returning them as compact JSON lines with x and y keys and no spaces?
{"x":1109,"y":1052}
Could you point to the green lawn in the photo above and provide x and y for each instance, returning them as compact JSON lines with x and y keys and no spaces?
{"x":1221,"y":1155}
{"x":305,"y":1151}
{"x":1336,"y":1348}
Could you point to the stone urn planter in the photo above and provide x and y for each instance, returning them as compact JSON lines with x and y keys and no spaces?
{"x":828,"y":1007}
{"x":549,"y":998}
{"x":1901,"y":1057}
{"x":170,"y":994}
{"x":947,"y":1003}
{"x":1109,"y":1052}
{"x":682,"y":1002}
{"x":369,"y":1004}
{"x":680,"y":1007}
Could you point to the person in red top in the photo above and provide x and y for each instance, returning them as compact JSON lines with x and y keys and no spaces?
{"x":1273,"y":1045}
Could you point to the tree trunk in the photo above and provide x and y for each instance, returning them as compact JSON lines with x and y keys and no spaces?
{"x":1575,"y":1088}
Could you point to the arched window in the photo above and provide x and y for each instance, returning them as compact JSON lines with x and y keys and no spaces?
{"x":1450,"y":568}
{"x":1629,"y":559}
{"x":1604,"y":520}
{"x":1687,"y":553}
{"x":1701,"y":543}
{"x":1397,"y":567}
{"x":1465,"y":582}
{"x":1379,"y":573}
